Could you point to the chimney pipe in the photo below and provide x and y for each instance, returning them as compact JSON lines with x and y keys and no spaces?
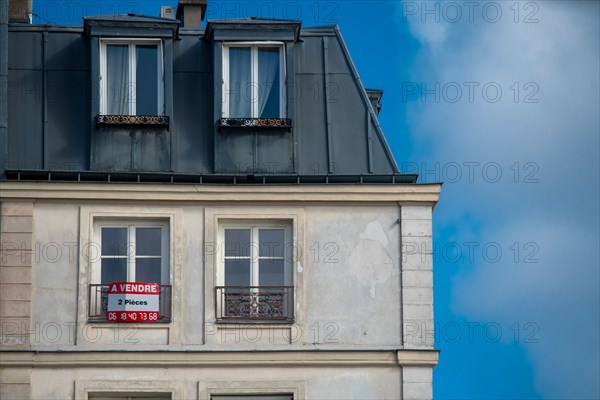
{"x":375,"y":98}
{"x":19,"y":11}
{"x":191,"y":12}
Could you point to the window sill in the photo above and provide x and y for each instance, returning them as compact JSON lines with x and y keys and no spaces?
{"x":255,"y":122}
{"x":256,"y":324}
{"x":112,"y":324}
{"x":128,"y":120}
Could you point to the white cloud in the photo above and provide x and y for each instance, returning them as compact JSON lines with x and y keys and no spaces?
{"x":554,"y":140}
{"x":553,"y":287}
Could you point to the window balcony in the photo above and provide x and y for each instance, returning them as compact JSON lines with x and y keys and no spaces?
{"x":265,"y":304}
{"x":254,"y":122}
{"x":98,"y":303}
{"x":128,"y":120}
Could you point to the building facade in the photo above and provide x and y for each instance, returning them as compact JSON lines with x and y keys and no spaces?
{"x":205,"y":214}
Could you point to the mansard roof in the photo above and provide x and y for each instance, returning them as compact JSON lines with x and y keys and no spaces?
{"x":335,"y":132}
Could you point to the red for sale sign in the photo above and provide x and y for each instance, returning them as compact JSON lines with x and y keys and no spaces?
{"x":133,"y":302}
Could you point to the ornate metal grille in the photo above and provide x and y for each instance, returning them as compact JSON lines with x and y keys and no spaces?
{"x":132,"y":120}
{"x":256,"y":122}
{"x":255,"y":303}
{"x":98,"y":303}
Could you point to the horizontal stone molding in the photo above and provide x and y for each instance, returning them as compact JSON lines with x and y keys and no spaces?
{"x":426,"y":193}
{"x":102,"y":359}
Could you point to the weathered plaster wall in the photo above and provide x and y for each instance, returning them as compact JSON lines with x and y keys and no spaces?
{"x":353,"y":267}
{"x":315,"y":383}
{"x":350,"y":264}
{"x":363,"y":268}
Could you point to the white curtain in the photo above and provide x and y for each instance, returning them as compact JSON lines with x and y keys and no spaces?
{"x":240,"y":83}
{"x":268,"y":83}
{"x":117,"y":80}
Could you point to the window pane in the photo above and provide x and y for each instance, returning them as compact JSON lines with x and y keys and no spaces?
{"x":147,"y":80}
{"x":114,"y":241}
{"x":113,"y":270}
{"x":237,"y":272}
{"x":271,"y":242}
{"x":269,"y":89}
{"x":237,"y":242}
{"x":130,"y":396}
{"x":254,"y":397}
{"x":148,"y":270}
{"x":118,"y":85}
{"x":148,"y":241}
{"x":270,"y":273}
{"x":240,"y":83}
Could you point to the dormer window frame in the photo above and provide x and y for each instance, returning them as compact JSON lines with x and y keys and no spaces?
{"x":254,"y":87}
{"x":132,"y":43}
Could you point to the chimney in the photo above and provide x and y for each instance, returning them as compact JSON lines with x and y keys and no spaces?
{"x":375,"y":98}
{"x":19,"y":11}
{"x":191,"y":12}
{"x":167,"y":12}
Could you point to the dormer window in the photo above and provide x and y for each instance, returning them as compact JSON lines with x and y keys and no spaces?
{"x":254,"y":80}
{"x":131,"y":77}
{"x":254,"y":65}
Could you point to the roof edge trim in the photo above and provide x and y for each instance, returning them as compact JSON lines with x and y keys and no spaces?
{"x":254,"y":24}
{"x":128,"y":21}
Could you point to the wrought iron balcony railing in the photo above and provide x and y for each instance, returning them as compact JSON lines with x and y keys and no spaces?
{"x":98,"y":303}
{"x":159,"y":120}
{"x":254,"y":303}
{"x":255,"y":122}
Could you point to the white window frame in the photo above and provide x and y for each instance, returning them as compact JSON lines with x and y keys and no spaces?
{"x":88,"y":389}
{"x":208,"y":388}
{"x":254,"y":227}
{"x":254,"y":46}
{"x":129,"y":396}
{"x":96,"y":273}
{"x":214,"y":217}
{"x":249,"y":395}
{"x":160,"y":335}
{"x":132,"y":43}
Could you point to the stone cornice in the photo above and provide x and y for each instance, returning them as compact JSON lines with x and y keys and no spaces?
{"x":26,"y":359}
{"x":410,"y":193}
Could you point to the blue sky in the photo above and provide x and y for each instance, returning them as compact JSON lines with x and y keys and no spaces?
{"x":499,"y":100}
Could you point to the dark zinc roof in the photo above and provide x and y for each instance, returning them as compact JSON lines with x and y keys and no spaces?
{"x":332,"y":133}
{"x":130,"y":18}
{"x":163,"y":177}
{"x":252,"y":26}
{"x":130,"y":21}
